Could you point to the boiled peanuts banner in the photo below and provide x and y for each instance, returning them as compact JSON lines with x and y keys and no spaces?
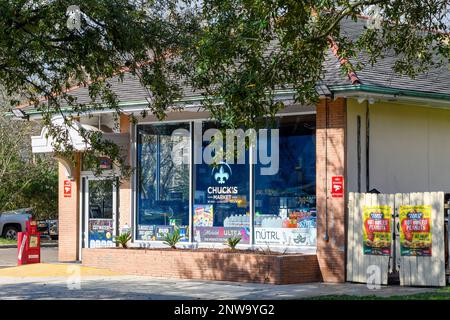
{"x":377,"y":230}
{"x":415,"y":230}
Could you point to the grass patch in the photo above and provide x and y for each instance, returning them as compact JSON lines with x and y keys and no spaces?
{"x":4,"y":242}
{"x":439,"y":294}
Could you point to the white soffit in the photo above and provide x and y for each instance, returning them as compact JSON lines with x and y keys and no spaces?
{"x":44,"y":144}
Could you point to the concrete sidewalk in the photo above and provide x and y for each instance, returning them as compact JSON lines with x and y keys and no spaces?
{"x":72,"y":281}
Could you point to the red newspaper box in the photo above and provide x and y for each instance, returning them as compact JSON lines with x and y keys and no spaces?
{"x":29,"y":244}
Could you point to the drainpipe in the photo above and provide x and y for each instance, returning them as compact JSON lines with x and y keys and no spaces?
{"x":326,"y":236}
{"x":367,"y":147}
{"x":358,"y":147}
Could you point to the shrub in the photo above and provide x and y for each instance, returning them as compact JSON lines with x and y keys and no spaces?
{"x":123,"y":239}
{"x":233,"y":242}
{"x":171,"y":239}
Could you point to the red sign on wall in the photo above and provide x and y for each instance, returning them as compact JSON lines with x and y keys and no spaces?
{"x":337,"y":186}
{"x":67,"y":188}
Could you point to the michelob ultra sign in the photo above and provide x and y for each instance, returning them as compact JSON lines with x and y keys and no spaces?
{"x":377,"y":235}
{"x":415,"y":230}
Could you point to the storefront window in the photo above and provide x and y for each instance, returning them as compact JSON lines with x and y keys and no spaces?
{"x":163,"y":184}
{"x":221,"y":199}
{"x":285,"y":203}
{"x":284,"y":200}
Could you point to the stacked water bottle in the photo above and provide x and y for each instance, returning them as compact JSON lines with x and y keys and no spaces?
{"x":273,"y":222}
{"x":240,"y":220}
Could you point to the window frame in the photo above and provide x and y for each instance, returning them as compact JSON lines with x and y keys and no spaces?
{"x":190,"y":243}
{"x":135,"y":187}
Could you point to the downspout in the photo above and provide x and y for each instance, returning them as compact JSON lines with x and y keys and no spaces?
{"x":358,"y":147}
{"x":326,"y":235}
{"x":367,"y":147}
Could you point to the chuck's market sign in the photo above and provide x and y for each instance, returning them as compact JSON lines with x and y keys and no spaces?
{"x":377,"y":235}
{"x":415,"y":230}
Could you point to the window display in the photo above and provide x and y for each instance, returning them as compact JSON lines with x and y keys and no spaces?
{"x":163,"y":184}
{"x":285,"y":203}
{"x":221,"y":200}
{"x":217,"y":195}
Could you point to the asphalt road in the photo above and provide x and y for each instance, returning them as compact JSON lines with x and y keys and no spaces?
{"x":8,"y":256}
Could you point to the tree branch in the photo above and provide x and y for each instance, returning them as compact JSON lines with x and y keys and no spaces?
{"x":344,"y":13}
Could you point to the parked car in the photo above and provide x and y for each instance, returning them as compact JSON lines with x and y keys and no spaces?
{"x":48,"y":228}
{"x":12,"y":222}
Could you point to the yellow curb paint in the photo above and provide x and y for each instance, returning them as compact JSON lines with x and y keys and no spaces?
{"x":45,"y":270}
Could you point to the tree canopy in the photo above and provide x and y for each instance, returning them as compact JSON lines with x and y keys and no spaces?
{"x":238,"y":52}
{"x":25,"y":180}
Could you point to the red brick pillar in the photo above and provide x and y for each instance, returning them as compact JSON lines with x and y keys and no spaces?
{"x":125,"y":185}
{"x":330,"y":161}
{"x":68,"y":214}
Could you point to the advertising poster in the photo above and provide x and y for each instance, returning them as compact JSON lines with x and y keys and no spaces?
{"x":161,"y":231}
{"x":101,"y":233}
{"x":305,"y":219}
{"x":203,"y":215}
{"x":158,"y":232}
{"x":146,"y":232}
{"x":377,"y":235}
{"x":415,"y":230}
{"x":221,"y":234}
{"x":286,"y":236}
{"x":33,"y":241}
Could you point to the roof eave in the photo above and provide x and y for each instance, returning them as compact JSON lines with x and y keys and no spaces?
{"x":188,"y":103}
{"x":390,"y":91}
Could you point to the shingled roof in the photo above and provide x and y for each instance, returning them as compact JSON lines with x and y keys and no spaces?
{"x":380,"y":76}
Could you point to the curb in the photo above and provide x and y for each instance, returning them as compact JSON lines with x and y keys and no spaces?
{"x":43,"y":245}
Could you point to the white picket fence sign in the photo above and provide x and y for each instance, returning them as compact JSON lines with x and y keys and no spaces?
{"x":413,"y":270}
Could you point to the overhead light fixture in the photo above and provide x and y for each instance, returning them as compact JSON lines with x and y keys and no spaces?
{"x":19,"y":113}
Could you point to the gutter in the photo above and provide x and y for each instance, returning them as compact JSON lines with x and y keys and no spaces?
{"x":131,"y":106}
{"x":286,"y":94}
{"x":390,"y":91}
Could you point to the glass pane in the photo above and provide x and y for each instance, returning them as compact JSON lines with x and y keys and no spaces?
{"x":163,"y":182}
{"x":101,"y":199}
{"x":100,"y":210}
{"x":285,"y":203}
{"x":221,"y":200}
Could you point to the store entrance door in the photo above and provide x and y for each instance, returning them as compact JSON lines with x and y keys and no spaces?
{"x":100,"y":210}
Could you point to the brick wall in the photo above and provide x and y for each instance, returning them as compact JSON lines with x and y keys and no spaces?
{"x":125,"y":185}
{"x":68,"y":215}
{"x":207,"y":265}
{"x":330,"y":161}
{"x":69,"y":207}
